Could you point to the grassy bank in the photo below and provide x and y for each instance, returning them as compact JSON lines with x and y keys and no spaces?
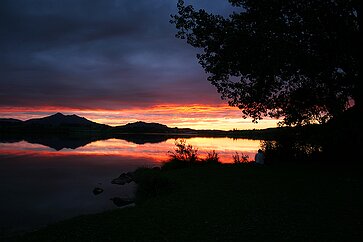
{"x":231,"y":203}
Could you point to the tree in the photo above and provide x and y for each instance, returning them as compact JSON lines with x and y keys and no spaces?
{"x":296,"y":59}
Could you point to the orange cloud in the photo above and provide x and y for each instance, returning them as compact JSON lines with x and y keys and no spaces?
{"x":197,"y":116}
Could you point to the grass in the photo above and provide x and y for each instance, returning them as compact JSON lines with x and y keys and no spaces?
{"x":231,"y":203}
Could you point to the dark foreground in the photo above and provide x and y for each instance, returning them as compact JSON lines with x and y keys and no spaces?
{"x":230,"y":203}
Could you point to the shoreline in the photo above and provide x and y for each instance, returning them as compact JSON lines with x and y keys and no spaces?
{"x":311,"y":192}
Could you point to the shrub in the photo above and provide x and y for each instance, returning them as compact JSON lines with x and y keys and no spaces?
{"x":212,"y":157}
{"x":183,"y":152}
{"x":237,"y":159}
{"x":185,"y":155}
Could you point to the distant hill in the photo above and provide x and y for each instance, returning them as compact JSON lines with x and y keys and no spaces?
{"x":10,"y":121}
{"x":143,"y":127}
{"x":152,"y":128}
{"x":69,"y":124}
{"x":60,"y":119}
{"x":61,"y":123}
{"x":72,"y":124}
{"x":52,"y":123}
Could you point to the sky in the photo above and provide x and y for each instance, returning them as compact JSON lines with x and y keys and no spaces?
{"x":111,"y":61}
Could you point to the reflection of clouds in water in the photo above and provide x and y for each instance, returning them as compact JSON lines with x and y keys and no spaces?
{"x":157,"y":152}
{"x":225,"y":143}
{"x":23,"y":145}
{"x":44,"y":185}
{"x":44,"y":189}
{"x":225,"y":147}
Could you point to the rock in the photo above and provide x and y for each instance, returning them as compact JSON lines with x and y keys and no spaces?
{"x":123,"y":179}
{"x":120,"y":202}
{"x":97,"y":190}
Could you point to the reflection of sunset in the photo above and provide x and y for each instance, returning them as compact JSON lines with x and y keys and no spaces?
{"x":225,"y":147}
{"x":195,"y":116}
{"x":158,"y":152}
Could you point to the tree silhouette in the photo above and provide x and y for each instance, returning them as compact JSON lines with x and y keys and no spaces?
{"x":296,"y":59}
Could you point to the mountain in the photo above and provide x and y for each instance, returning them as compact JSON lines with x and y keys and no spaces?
{"x":142,"y":127}
{"x":9,"y":122}
{"x":54,"y":123}
{"x":72,"y":123}
{"x":60,"y":119}
{"x":61,"y":123}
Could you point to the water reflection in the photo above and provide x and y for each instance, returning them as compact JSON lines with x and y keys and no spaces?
{"x":41,"y":184}
{"x":39,"y":189}
{"x":155,"y":152}
{"x":74,"y":141}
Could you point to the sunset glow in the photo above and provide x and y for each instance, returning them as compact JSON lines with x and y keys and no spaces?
{"x":196,"y":116}
{"x":118,"y":71}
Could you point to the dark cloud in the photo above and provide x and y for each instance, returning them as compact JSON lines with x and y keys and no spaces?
{"x":91,"y":53}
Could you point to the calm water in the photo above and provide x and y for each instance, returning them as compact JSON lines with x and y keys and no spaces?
{"x":41,"y":185}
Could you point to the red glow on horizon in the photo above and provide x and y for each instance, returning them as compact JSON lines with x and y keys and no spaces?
{"x":196,"y":116}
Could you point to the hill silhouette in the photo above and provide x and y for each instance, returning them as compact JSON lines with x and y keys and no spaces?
{"x":143,"y":127}
{"x":60,"y":131}
{"x":60,"y":119}
{"x":10,"y":120}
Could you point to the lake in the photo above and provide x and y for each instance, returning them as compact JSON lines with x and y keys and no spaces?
{"x":42,"y":182}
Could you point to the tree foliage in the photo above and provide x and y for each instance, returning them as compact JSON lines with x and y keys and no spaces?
{"x":296,"y":59}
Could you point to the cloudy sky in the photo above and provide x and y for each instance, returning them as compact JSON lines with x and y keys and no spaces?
{"x":112,"y":61}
